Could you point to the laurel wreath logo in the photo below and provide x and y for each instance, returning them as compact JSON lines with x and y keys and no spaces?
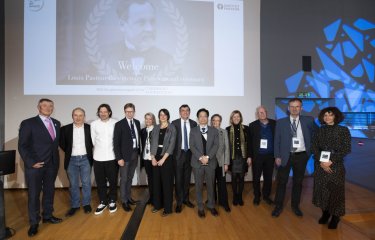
{"x":95,"y":56}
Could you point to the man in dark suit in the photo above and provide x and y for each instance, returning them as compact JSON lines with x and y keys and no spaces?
{"x":126,"y":145}
{"x":182,"y":157}
{"x":204,"y":143}
{"x":76,"y":142}
{"x":38,"y":146}
{"x":261,"y":140}
{"x":292,"y":150}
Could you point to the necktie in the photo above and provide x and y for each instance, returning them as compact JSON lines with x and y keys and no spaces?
{"x":185,"y":138}
{"x":133,"y":131}
{"x":294,"y":128}
{"x":50,"y":128}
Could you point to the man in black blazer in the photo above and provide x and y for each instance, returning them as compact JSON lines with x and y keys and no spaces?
{"x":75,"y":141}
{"x":182,"y":157}
{"x":38,"y":146}
{"x":126,"y":145}
{"x":292,"y":150}
{"x":261,"y":138}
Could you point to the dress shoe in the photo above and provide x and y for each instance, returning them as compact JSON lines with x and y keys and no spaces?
{"x":164,"y":214}
{"x":189,"y":204}
{"x":71,"y":212}
{"x":213,"y":212}
{"x":87,"y":209}
{"x":33,"y":230}
{"x":268,"y":201}
{"x":126,"y":207}
{"x":53,"y":220}
{"x":256,"y":201}
{"x":178,"y":208}
{"x":297,"y":211}
{"x":132,"y":201}
{"x":324,"y":218}
{"x":149,"y":201}
{"x":227,"y":208}
{"x":240,"y":202}
{"x":277,"y":211}
{"x":333,"y":223}
{"x":201,"y":214}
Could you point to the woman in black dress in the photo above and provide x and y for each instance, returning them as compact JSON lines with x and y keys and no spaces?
{"x":330,"y":145}
{"x":239,"y":158}
{"x":163,"y":140}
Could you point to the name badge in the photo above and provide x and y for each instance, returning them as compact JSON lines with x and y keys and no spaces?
{"x":134,"y":143}
{"x":325,"y":156}
{"x":263,"y":143}
{"x":296,"y":142}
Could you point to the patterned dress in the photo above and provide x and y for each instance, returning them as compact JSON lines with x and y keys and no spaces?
{"x":329,"y":188}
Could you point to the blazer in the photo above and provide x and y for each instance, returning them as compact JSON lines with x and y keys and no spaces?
{"x":177,"y":124}
{"x":66,"y":143}
{"x":283,"y":137}
{"x":254,"y":136}
{"x":168,"y":143}
{"x":222,"y":154}
{"x":35,"y":143}
{"x":196,"y":146}
{"x":123,"y":141}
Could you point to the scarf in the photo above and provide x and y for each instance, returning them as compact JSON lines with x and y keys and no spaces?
{"x":242,"y":140}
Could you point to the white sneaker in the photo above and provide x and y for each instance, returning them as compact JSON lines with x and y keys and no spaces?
{"x":112,"y":206}
{"x":100,"y":208}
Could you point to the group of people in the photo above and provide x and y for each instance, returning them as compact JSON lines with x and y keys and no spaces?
{"x":171,"y":150}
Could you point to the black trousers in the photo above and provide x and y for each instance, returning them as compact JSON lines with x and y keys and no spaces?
{"x":148,"y":168}
{"x":221,"y":194}
{"x":182,"y":168}
{"x":106,"y":171}
{"x":163,"y":185}
{"x":38,"y":180}
{"x":297,"y":162}
{"x":238,"y":182}
{"x":262,"y":164}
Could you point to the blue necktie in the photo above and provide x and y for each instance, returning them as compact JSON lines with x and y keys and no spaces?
{"x":186,"y":147}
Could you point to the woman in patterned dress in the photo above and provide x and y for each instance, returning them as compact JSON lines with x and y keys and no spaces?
{"x":330,"y":145}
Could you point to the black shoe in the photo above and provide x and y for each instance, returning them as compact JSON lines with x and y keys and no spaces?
{"x":277,"y":211}
{"x":164,"y":214}
{"x":201,"y":214}
{"x":324,"y":218}
{"x":333,"y":223}
{"x":240,"y":201}
{"x":33,"y":230}
{"x":132,"y":201}
{"x":178,"y":208}
{"x":188,"y":204}
{"x":53,"y":220}
{"x":149,"y":201}
{"x":126,"y":207}
{"x":227,"y":208}
{"x":71,"y":212}
{"x":213,"y":212}
{"x":268,"y":201}
{"x":87,"y":209}
{"x":256,"y":201}
{"x":297,"y":211}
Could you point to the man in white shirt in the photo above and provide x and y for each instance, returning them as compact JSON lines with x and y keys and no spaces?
{"x":105,"y":165}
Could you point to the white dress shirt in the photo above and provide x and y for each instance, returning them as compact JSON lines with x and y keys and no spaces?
{"x":136,"y":132}
{"x":183,"y":134}
{"x":299,"y":134}
{"x":79,"y":146}
{"x":102,"y":139}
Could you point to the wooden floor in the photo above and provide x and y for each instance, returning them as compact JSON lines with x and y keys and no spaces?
{"x":246,"y":222}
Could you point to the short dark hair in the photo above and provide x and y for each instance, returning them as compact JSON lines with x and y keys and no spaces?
{"x":339,"y":116}
{"x":44,"y":100}
{"x":165,"y":111}
{"x":105,"y":106}
{"x":216,"y":115}
{"x":184,"y":106}
{"x":124,"y":5}
{"x":203,"y":110}
{"x":295,"y":100}
{"x":129,"y":105}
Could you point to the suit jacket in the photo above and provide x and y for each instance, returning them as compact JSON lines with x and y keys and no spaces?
{"x":196,"y":146}
{"x":177,"y":124}
{"x":283,"y":136}
{"x":168,"y":143}
{"x":66,"y":143}
{"x":222,"y":154}
{"x":35,"y":143}
{"x":123,"y":141}
{"x":254,"y":136}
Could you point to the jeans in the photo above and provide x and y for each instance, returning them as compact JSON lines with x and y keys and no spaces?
{"x":79,"y":167}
